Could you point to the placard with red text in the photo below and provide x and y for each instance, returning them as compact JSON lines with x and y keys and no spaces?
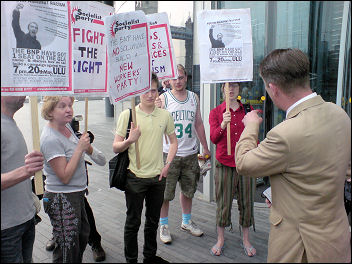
{"x":161,"y":47}
{"x":129,"y":64}
{"x":89,"y":48}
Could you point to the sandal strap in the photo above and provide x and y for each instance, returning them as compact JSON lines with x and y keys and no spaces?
{"x":217,"y":249}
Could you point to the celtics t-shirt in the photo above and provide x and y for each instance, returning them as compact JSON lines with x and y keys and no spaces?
{"x":184,"y":115}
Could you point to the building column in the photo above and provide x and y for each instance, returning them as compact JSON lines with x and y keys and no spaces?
{"x":342,"y":53}
{"x":207,"y":101}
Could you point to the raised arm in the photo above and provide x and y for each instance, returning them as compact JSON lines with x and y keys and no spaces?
{"x":97,"y":156}
{"x":33,"y":163}
{"x":211,"y":34}
{"x":16,"y":22}
{"x":160,"y":101}
{"x":65,"y":170}
{"x":121,"y":144}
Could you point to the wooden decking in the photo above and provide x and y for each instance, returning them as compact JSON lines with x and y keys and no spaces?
{"x":109,"y":209}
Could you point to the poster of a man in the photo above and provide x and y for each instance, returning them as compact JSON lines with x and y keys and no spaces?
{"x":24,"y":40}
{"x":216,"y":43}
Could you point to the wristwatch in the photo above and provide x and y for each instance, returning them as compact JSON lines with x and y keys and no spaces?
{"x":168,"y":162}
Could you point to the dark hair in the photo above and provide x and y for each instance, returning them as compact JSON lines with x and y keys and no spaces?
{"x":155,"y":78}
{"x":32,"y":23}
{"x":287,"y":68}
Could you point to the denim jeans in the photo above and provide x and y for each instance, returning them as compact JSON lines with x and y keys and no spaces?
{"x":137,"y":190}
{"x":17,"y":243}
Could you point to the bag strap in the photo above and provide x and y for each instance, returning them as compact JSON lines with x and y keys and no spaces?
{"x":247,"y":108}
{"x":129,"y":124}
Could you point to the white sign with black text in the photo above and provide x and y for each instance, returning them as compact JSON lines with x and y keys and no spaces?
{"x":225,"y":45}
{"x":36,"y":48}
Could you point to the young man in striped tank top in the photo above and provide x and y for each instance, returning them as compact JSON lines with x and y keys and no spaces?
{"x":184,"y":108}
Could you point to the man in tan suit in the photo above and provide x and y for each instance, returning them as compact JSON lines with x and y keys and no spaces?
{"x":306,"y":157}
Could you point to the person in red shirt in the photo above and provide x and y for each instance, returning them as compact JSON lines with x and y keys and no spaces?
{"x":227,"y":181}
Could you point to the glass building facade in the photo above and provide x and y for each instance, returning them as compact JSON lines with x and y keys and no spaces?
{"x":321,"y":29}
{"x":315,"y":27}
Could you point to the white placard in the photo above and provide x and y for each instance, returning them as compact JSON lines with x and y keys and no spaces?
{"x":161,"y":46}
{"x":129,"y":64}
{"x":225,"y":45}
{"x":36,"y":48}
{"x":89,"y":48}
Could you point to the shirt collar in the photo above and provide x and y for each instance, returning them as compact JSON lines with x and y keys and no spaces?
{"x":139,"y":110}
{"x":300,"y":101}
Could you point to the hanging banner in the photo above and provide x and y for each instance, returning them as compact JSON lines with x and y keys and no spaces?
{"x":89,"y":48}
{"x":225,"y":45}
{"x":161,"y":47}
{"x":36,"y":48}
{"x":129,"y":64}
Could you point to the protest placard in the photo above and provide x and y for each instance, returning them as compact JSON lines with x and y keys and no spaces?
{"x":129,"y":64}
{"x":89,"y":48}
{"x":225,"y":49}
{"x":162,"y":49}
{"x":225,"y":45}
{"x":36,"y":48}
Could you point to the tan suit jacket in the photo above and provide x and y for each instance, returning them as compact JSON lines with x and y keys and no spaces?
{"x":306,"y":157}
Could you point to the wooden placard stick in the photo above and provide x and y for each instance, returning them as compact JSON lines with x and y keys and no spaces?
{"x":227,"y":97}
{"x":86,"y":115}
{"x":38,"y":177}
{"x":134,"y":120}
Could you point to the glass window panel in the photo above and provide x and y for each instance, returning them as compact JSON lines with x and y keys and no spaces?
{"x":292,"y":25}
{"x":346,"y":87}
{"x":292,"y":28}
{"x":324,"y":47}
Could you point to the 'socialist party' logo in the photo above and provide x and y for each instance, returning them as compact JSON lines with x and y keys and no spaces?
{"x":116,"y":26}
{"x":78,"y":14}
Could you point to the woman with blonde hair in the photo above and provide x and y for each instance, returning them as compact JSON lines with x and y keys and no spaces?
{"x":66,"y":179}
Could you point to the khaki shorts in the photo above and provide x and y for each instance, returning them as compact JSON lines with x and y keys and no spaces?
{"x":185,"y":170}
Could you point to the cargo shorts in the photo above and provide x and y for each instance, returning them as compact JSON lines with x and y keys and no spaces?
{"x":184,"y":170}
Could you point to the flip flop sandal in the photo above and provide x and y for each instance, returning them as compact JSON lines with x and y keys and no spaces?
{"x":248,"y":249}
{"x":217,"y":249}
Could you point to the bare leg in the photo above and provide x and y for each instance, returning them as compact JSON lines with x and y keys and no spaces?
{"x":221,"y":239}
{"x":164,"y":211}
{"x":186,"y":204}
{"x":246,"y":242}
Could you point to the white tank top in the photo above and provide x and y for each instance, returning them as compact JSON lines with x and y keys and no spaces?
{"x":184,"y":115}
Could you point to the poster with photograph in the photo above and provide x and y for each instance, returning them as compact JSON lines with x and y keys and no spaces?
{"x":89,"y":48}
{"x":129,"y":64}
{"x":36,"y":48}
{"x":161,"y":47}
{"x":225,"y":45}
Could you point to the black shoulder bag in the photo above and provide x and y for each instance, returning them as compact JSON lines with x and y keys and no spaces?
{"x":118,"y":165}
